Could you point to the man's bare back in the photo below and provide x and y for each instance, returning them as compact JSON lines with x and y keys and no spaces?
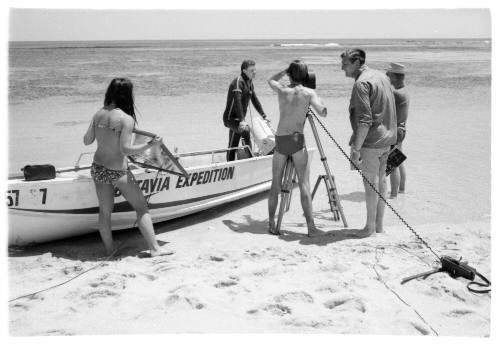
{"x":293,"y":104}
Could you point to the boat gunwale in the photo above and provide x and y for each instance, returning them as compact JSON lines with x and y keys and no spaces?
{"x":20,"y":179}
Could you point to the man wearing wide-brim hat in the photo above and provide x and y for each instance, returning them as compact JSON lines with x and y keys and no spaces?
{"x":396,"y":73}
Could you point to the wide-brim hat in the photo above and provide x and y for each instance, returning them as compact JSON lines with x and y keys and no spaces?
{"x":394,"y":67}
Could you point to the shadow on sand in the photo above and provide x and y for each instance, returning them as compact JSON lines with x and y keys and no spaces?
{"x":250,"y":225}
{"x":89,"y":247}
{"x":356,"y":196}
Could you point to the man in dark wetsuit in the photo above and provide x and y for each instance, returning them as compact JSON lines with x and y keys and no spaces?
{"x":241,"y":91}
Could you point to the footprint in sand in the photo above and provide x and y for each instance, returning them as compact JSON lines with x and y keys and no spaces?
{"x":53,"y":332}
{"x":328,"y":289}
{"x":420,"y":328}
{"x":458,"y":312}
{"x":334,"y":268}
{"x":20,"y":306}
{"x":298,"y":296}
{"x":383,"y":267}
{"x":99,"y":294}
{"x":72,"y":270}
{"x":233,"y":280}
{"x":254,"y":255}
{"x":150,"y":277}
{"x":278,"y":309}
{"x":261,"y":272}
{"x":345,"y":303}
{"x":176,"y":299}
{"x":309,"y":323}
{"x":163,"y":267}
{"x":458,"y":295}
{"x":107,"y":285}
{"x":116,"y":281}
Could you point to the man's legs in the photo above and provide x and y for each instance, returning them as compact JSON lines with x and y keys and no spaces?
{"x":402,"y":182}
{"x":234,"y":141}
{"x":279,"y":163}
{"x":373,"y":164}
{"x":245,"y":134}
{"x":398,"y":177}
{"x":300,"y":161}
{"x":371,"y":202}
{"x":395,"y":181}
{"x":382,"y":188}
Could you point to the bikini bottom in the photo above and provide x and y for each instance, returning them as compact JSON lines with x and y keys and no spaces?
{"x":104,"y":175}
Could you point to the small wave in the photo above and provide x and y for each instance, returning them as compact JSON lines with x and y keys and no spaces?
{"x":332,"y":44}
{"x":70,"y":123}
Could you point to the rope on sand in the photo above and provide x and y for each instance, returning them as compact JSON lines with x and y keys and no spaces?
{"x":74,"y":277}
{"x":375,"y":189}
{"x":379,"y":278}
{"x":85,"y":271}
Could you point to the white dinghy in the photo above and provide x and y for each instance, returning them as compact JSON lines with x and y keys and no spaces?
{"x":66,"y":206}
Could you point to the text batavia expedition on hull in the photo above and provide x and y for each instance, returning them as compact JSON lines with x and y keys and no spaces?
{"x":196,"y":178}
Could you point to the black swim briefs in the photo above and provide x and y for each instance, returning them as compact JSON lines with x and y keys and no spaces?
{"x":290,"y":144}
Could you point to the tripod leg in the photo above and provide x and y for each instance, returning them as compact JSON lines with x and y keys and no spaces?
{"x":331,"y":199}
{"x":285,"y":192}
{"x":316,"y":186}
{"x":329,"y":175}
{"x":291,"y":183}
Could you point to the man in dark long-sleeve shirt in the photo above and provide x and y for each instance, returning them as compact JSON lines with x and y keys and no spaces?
{"x":241,"y":91}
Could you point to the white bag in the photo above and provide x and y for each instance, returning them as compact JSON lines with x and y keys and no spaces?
{"x":262,"y":133}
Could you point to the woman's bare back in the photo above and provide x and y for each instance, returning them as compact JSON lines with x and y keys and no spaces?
{"x":108,"y":124}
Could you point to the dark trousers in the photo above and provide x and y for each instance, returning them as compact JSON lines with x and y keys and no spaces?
{"x":234,"y":141}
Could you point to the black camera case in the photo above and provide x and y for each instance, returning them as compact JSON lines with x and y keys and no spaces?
{"x":39,"y":172}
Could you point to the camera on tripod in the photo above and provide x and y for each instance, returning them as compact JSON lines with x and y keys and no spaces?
{"x":310,"y":78}
{"x":310,"y":81}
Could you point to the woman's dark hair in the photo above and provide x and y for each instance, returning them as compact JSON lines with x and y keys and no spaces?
{"x":297,"y":71}
{"x":120,"y":92}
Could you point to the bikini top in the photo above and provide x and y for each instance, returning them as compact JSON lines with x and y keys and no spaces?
{"x":112,"y":122}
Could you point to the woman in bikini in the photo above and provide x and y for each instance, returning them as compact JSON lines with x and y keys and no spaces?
{"x":294,"y":101}
{"x":112,"y":126}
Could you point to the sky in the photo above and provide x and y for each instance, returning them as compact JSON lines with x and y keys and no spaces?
{"x":142,"y":24}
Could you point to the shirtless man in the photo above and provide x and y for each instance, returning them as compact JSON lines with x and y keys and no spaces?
{"x":294,"y":101}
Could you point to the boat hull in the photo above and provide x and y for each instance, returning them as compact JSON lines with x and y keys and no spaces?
{"x":41,"y":211}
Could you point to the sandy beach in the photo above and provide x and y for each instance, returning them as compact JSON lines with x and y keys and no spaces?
{"x":228,"y":275}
